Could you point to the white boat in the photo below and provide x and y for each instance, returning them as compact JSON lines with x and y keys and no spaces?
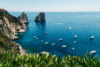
{"x":60,"y":39}
{"x":34,"y":36}
{"x":74,"y":41}
{"x":64,"y":46}
{"x":75,"y":36}
{"x":92,"y":37}
{"x":46,"y":42}
{"x":73,"y":48}
{"x":69,"y":28}
{"x":45,"y":32}
{"x":92,"y":52}
{"x":37,"y":38}
{"x":53,"y":43}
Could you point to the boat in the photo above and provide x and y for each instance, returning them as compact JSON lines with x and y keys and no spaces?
{"x":45,"y":32}
{"x":53,"y":43}
{"x":75,"y":36}
{"x":74,"y":41}
{"x":37,"y":38}
{"x":69,"y":28}
{"x":92,"y":52}
{"x":46,"y":42}
{"x":34,"y":36}
{"x":73,"y":48}
{"x":92,"y":37}
{"x":64,"y":46}
{"x":60,"y":39}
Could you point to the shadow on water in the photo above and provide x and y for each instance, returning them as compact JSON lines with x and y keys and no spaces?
{"x":41,"y":24}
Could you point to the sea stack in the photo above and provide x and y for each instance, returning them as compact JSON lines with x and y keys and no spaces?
{"x":40,"y":17}
{"x":23,"y":18}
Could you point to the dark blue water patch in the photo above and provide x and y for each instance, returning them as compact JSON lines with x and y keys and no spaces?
{"x":83,"y":24}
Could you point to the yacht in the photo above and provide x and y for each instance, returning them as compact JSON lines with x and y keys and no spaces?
{"x":34,"y":36}
{"x":73,"y":48}
{"x":92,"y":37}
{"x":92,"y":52}
{"x":60,"y":39}
{"x":45,"y":32}
{"x":64,"y":46}
{"x":74,"y":41}
{"x":37,"y":38}
{"x":53,"y":43}
{"x":46,"y":42}
{"x":75,"y":36}
{"x":69,"y":28}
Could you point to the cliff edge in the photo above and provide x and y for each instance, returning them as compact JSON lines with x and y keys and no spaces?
{"x":10,"y":25}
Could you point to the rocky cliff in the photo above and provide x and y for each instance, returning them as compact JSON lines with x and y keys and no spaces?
{"x":40,"y":17}
{"x":9,"y":26}
{"x":23,"y":18}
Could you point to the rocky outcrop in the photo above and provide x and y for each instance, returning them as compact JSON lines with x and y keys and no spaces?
{"x":40,"y":17}
{"x":9,"y":27}
{"x":43,"y":53}
{"x":23,"y":18}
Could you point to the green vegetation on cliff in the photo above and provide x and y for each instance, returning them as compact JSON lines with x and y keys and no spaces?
{"x":11,"y":18}
{"x":6,"y":43}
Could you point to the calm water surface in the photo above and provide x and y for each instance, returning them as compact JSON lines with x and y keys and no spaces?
{"x":83,"y":24}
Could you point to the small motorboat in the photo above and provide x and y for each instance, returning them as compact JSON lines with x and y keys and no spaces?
{"x":74,"y":41}
{"x":60,"y":39}
{"x":45,"y":32}
{"x":46,"y":42}
{"x":92,"y":52}
{"x":64,"y":46}
{"x":37,"y":38}
{"x":75,"y":36}
{"x":92,"y":37}
{"x":34,"y":36}
{"x":53,"y":43}
{"x":69,"y":28}
{"x":73,"y":48}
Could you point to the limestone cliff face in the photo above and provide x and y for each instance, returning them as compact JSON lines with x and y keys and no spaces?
{"x":10,"y":25}
{"x":23,"y":18}
{"x":40,"y":17}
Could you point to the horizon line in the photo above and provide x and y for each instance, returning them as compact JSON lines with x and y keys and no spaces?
{"x":53,"y":11}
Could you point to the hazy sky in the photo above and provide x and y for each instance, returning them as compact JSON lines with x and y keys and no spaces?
{"x":51,"y":5}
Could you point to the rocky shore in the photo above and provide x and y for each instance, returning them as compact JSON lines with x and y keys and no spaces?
{"x":9,"y":27}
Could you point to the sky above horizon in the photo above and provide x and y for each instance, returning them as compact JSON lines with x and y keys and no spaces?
{"x":50,"y":5}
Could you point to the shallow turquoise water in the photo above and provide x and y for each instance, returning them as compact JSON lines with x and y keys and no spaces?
{"x":83,"y":24}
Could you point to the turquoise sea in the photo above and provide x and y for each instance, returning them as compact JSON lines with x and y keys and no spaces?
{"x":83,"y":24}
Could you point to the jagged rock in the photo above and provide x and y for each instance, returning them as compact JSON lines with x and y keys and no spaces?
{"x":8,"y":29}
{"x":23,"y":18}
{"x":40,"y":17}
{"x":43,"y":53}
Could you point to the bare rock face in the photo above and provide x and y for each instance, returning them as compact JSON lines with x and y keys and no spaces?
{"x":43,"y":53}
{"x":23,"y":18}
{"x":40,"y":17}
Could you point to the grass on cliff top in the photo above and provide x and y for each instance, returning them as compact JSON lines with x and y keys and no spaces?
{"x":8,"y":59}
